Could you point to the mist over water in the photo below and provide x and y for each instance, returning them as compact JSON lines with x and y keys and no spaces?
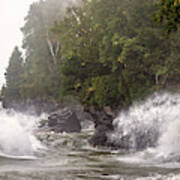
{"x":16,"y":134}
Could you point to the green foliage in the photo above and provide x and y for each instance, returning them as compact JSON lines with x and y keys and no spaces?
{"x":104,"y":53}
{"x":169,"y":14}
{"x":41,"y":78}
{"x":113,"y":52}
{"x":14,"y":75}
{"x":106,"y":91}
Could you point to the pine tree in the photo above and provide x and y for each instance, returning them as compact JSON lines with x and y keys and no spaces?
{"x":14,"y":75}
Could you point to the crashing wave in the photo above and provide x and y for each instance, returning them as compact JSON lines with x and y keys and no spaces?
{"x":16,"y":134}
{"x":154,"y":124}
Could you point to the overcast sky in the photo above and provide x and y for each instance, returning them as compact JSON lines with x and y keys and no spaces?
{"x":12,"y":13}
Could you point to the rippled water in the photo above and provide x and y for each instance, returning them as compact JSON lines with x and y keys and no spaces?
{"x":26,"y":154}
{"x":69,"y":157}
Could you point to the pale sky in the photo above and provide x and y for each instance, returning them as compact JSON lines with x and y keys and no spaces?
{"x":12,"y":13}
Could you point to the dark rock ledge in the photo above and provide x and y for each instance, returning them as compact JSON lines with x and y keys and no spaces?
{"x":64,"y":120}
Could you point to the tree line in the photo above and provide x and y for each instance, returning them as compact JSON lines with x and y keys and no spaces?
{"x":104,"y":53}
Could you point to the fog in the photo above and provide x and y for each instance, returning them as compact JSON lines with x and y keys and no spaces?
{"x":12,"y":15}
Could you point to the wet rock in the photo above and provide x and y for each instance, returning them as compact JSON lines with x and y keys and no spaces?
{"x":64,"y":120}
{"x":99,"y":138}
{"x":85,"y":118}
{"x":109,"y":111}
{"x":87,"y":124}
{"x":103,"y":125}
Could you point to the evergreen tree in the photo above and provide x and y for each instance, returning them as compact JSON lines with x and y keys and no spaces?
{"x":14,"y":75}
{"x":42,"y":49}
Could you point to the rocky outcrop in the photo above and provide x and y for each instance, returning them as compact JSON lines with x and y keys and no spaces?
{"x":67,"y":115}
{"x":103,"y":125}
{"x":64,"y":120}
